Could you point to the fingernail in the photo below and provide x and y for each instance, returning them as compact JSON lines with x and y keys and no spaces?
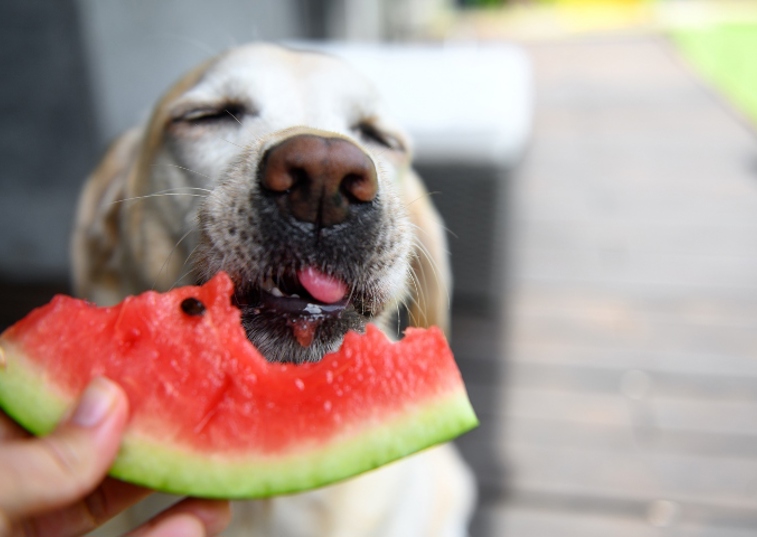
{"x":182,"y":525}
{"x":95,"y":403}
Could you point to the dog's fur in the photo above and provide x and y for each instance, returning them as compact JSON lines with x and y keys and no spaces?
{"x":180,"y":198}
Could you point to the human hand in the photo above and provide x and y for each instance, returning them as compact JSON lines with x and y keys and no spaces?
{"x":56,"y":485}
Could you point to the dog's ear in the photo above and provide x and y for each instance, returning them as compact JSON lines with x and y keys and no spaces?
{"x":432,"y":283}
{"x":96,"y":234}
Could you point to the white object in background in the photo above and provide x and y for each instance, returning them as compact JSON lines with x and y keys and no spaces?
{"x":465,"y":104}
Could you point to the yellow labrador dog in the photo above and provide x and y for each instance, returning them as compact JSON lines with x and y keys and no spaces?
{"x":280,"y":168}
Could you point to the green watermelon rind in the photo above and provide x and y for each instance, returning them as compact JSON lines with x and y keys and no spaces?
{"x":35,"y":406}
{"x":166,"y":469}
{"x":25,"y":393}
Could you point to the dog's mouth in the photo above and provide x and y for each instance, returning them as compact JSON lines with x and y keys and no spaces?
{"x":308,"y":307}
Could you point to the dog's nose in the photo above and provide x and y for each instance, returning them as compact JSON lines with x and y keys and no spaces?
{"x":321,"y":178}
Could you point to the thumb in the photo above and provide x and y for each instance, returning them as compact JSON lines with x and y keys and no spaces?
{"x":50,"y":472}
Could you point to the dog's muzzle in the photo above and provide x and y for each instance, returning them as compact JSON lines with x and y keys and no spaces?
{"x":318,"y":217}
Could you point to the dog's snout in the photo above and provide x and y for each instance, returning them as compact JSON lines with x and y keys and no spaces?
{"x":320,"y":178}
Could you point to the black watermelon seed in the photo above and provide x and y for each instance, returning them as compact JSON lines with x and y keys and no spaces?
{"x":192,"y":306}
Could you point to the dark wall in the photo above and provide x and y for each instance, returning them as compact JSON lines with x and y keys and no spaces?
{"x":44,"y":94}
{"x":47,"y":145}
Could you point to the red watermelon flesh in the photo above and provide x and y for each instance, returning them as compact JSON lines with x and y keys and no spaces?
{"x":209,"y":415}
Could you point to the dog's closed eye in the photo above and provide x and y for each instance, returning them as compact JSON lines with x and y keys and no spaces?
{"x":371,"y":134}
{"x":206,"y":115}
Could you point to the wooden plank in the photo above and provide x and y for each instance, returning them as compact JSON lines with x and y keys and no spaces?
{"x":577,"y":407}
{"x":656,"y":384}
{"x":621,"y":326}
{"x":682,"y":362}
{"x":702,"y":308}
{"x":602,"y":409}
{"x":625,"y":474}
{"x":610,"y":264}
{"x":655,"y":519}
{"x":551,"y":523}
{"x":624,"y":437}
{"x":643,"y":236}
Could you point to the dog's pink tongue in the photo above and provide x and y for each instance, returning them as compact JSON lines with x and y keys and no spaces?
{"x":322,"y":287}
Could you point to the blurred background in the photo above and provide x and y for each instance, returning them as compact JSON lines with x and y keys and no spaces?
{"x":596,"y":164}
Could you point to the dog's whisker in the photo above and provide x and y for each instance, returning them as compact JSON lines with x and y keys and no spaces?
{"x":413,"y":276}
{"x":421,"y":246}
{"x":352,"y":292}
{"x":178,"y":280}
{"x":190,"y":255}
{"x":407,"y":303}
{"x":418,"y":298}
{"x":419,"y":241}
{"x":444,"y":227}
{"x":190,"y":170}
{"x":235,"y":118}
{"x":159,"y":195}
{"x":168,"y":258}
{"x":412,"y":317}
{"x":398,"y":306}
{"x":426,"y":232}
{"x":232,"y":143}
{"x":425,"y":195}
{"x":422,"y":250}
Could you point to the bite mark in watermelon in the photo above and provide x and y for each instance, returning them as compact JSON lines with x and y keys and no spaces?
{"x":209,"y":416}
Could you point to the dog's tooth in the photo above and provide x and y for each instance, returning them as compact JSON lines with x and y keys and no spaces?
{"x":275,"y":291}
{"x":268,"y":284}
{"x":313,"y":309}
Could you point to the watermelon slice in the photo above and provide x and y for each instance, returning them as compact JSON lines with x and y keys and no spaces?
{"x":210,"y":416}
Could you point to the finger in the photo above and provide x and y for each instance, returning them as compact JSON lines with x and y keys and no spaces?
{"x":174,"y":526}
{"x":105,"y":502}
{"x":191,"y":517}
{"x":10,"y":429}
{"x":46,"y":473}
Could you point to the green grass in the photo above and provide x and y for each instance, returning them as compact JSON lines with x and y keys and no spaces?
{"x":726,"y":55}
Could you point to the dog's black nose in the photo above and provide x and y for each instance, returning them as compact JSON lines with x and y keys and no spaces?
{"x":320,"y":178}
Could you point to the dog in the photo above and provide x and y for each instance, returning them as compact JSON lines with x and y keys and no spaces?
{"x":281,"y":168}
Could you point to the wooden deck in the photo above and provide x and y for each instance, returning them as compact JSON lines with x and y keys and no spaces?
{"x":629,"y":343}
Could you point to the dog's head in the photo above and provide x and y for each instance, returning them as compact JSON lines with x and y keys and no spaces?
{"x":280,"y":168}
